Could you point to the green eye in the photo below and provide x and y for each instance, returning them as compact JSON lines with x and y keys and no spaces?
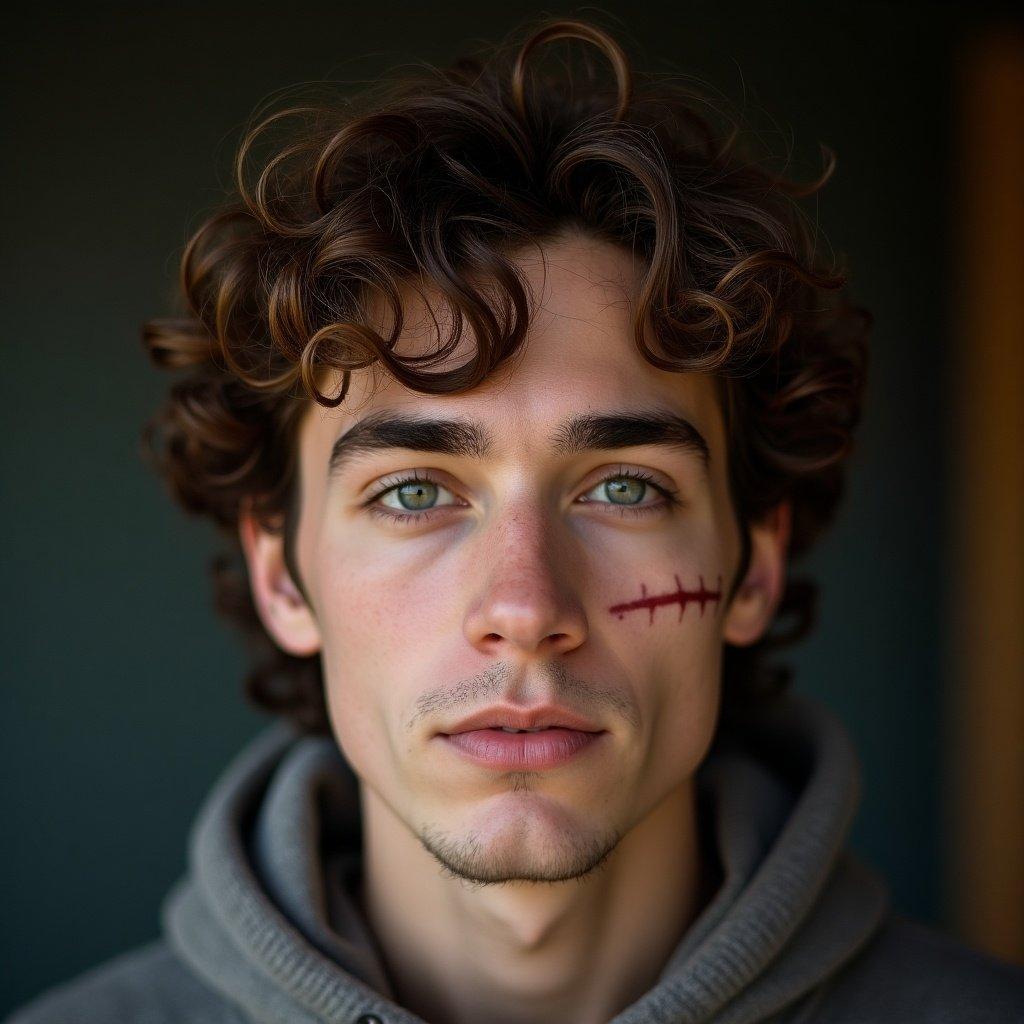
{"x":627,"y":487}
{"x":417,"y":495}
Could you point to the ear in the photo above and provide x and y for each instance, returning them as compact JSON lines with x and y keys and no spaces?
{"x":281,"y":607}
{"x":754,"y":604}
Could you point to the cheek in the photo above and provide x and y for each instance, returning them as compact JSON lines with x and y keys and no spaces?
{"x":668,"y":596}
{"x":685,"y":726}
{"x":669,"y":585}
{"x":379,"y":625}
{"x":664,"y":616}
{"x":373,"y":609}
{"x":678,"y":625}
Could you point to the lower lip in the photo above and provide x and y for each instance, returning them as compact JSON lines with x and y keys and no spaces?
{"x":548,"y":748}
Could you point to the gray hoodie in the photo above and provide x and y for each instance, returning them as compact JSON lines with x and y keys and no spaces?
{"x":264,"y":928}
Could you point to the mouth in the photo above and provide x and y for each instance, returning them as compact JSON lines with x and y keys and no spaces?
{"x":522,"y":749}
{"x":510,"y":720}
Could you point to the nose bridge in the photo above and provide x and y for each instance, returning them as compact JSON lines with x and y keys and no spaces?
{"x":523,"y":545}
{"x":523,"y":597}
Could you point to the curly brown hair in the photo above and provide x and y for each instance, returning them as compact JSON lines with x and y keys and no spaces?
{"x":439,"y":175}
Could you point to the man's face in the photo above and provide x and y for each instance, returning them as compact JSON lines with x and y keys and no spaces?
{"x":537,"y":574}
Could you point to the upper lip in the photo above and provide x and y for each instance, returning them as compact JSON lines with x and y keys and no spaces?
{"x":512,"y":718}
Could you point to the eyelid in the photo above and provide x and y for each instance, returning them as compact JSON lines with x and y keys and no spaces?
{"x":395,"y":480}
{"x":655,"y":479}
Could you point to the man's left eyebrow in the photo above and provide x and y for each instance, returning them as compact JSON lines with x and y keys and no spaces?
{"x":472,"y":439}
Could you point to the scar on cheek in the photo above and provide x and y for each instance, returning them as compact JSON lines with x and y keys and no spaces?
{"x":678,"y":596}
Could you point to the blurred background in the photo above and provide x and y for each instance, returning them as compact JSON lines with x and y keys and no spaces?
{"x":121,"y":696}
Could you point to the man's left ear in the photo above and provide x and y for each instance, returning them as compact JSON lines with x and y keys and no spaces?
{"x":757,"y":598}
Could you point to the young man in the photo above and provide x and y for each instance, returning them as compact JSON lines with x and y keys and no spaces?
{"x":519,"y":400}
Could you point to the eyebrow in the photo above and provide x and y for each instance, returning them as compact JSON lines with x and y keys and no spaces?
{"x":472,"y":439}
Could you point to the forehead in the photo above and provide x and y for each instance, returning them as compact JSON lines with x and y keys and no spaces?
{"x":578,"y":354}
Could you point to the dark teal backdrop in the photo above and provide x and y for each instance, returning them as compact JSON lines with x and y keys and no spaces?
{"x":121,"y":694}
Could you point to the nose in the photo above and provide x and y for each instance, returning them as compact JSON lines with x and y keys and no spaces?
{"x":524,"y":603}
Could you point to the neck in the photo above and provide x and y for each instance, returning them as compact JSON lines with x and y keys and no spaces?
{"x":578,"y":951}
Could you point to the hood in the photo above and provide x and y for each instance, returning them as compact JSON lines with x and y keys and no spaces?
{"x":266,"y":913}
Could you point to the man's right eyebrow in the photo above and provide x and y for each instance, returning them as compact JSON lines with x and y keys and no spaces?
{"x":463,"y":438}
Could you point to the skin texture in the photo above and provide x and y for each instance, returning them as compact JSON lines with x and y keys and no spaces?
{"x":552,"y":895}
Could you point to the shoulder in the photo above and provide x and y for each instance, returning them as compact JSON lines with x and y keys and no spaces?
{"x":147,"y":983}
{"x":911,"y":971}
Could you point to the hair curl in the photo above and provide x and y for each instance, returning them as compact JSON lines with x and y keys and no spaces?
{"x":440,"y":175}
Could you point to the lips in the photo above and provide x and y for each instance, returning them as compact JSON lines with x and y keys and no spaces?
{"x":549,"y":716}
{"x":545,"y":750}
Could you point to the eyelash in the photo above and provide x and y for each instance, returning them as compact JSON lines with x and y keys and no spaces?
{"x":632,"y":511}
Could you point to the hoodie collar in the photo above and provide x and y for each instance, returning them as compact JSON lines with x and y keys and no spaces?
{"x":266,"y":913}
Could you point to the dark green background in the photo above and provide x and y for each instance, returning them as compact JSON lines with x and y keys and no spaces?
{"x":121,"y":699}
